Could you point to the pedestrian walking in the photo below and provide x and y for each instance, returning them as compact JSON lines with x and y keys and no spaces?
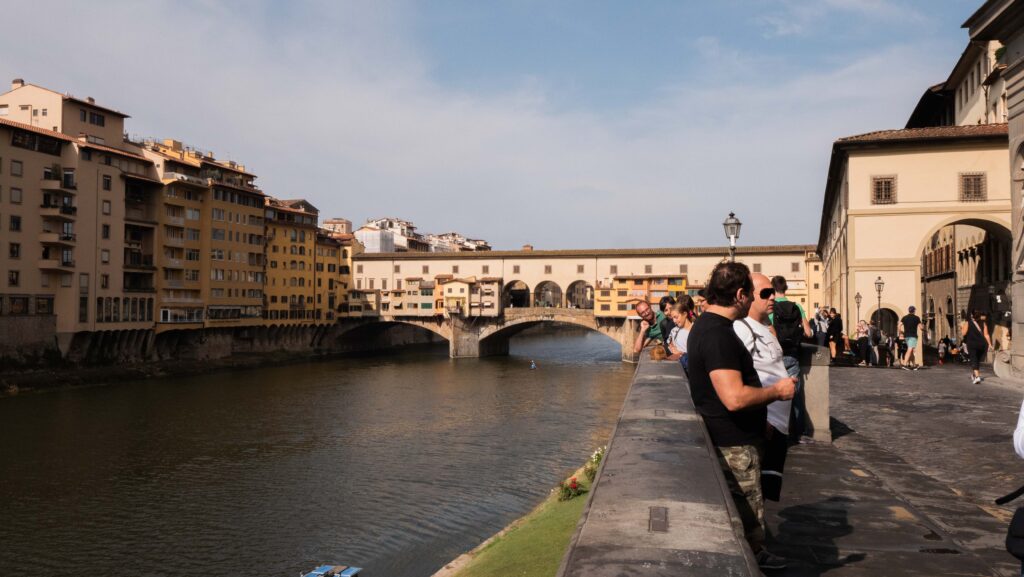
{"x":975,"y":335}
{"x":727,"y":393}
{"x":909,"y":325}
{"x":836,"y":338}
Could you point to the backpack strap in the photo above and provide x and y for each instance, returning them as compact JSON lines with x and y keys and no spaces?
{"x":753,"y":338}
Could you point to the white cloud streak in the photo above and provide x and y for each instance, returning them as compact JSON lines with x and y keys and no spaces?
{"x":335,"y":103}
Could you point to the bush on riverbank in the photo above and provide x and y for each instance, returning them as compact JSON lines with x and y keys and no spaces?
{"x":534,"y":545}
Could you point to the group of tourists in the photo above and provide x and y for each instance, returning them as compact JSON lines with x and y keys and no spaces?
{"x":740,"y":348}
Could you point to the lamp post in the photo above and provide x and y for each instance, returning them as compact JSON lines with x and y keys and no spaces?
{"x":857,"y":298}
{"x":879,"y":285}
{"x":732,"y":232}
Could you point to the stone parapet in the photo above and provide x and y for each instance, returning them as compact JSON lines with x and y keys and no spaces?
{"x":660,"y":505}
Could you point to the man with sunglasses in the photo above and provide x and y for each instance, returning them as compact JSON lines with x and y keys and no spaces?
{"x":770,"y":362}
{"x":727,"y":392}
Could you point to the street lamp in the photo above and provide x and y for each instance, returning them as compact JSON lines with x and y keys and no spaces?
{"x":879,"y":285}
{"x":857,"y":298}
{"x":732,"y":232}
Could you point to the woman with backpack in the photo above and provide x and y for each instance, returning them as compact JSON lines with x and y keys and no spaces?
{"x":975,"y":335}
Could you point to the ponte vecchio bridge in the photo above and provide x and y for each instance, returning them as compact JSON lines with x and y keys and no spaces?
{"x":478,"y":300}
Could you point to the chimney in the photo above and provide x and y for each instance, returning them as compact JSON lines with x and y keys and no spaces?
{"x":527,"y":247}
{"x":17,"y":83}
{"x":90,"y":100}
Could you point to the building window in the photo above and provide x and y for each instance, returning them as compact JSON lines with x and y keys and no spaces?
{"x":97,"y":119}
{"x":613,"y":269}
{"x":579,"y":269}
{"x":794,"y":267}
{"x":86,"y":155}
{"x":398,"y":268}
{"x":486,"y":269}
{"x":106,"y":207}
{"x":106,"y":182}
{"x":972,"y":187}
{"x":816,"y":268}
{"x":683,"y":269}
{"x":16,"y":168}
{"x":106,"y":231}
{"x":757,"y":267}
{"x":13,"y":278}
{"x":547,"y":269}
{"x":15,"y":196}
{"x":104,"y":256}
{"x":648,"y":269}
{"x":15,"y":223}
{"x":455,"y":269}
{"x":104,"y":281}
{"x":359,"y":268}
{"x":816,"y":286}
{"x":14,"y":250}
{"x":515,"y":269}
{"x":426,"y":269}
{"x":883,"y":190}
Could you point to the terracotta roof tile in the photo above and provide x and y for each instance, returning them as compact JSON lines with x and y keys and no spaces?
{"x":36,"y":129}
{"x":590,"y":253}
{"x":929,"y":133}
{"x":112,"y":150}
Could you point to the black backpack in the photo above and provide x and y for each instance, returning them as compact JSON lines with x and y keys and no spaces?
{"x":789,"y":328}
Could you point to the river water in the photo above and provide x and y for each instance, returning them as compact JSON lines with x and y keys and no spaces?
{"x":396,"y":463}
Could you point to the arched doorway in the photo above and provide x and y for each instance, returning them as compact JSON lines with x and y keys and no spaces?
{"x":889,"y":321}
{"x":966,"y":266}
{"x":580,"y":295}
{"x":547,"y":294}
{"x":516,"y":294}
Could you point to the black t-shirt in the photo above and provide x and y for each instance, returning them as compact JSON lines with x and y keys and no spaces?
{"x":910,"y":324}
{"x":713,"y":345}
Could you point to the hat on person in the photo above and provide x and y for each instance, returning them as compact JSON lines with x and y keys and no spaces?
{"x":911,"y":308}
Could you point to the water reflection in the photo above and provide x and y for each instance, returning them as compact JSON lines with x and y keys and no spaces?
{"x":396,"y":463}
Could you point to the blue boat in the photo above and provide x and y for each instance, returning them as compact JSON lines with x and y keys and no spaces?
{"x":333,"y":571}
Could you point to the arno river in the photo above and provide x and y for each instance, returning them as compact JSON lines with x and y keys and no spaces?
{"x":395,"y":463}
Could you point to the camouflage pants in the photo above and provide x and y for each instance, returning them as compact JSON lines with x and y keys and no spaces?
{"x":742,"y":468}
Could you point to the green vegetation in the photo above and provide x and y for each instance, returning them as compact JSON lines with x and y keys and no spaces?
{"x":532,"y":546}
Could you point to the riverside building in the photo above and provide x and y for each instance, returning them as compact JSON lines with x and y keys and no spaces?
{"x":923,"y":212}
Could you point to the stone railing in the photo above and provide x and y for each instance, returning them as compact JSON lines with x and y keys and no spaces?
{"x":660,"y":505}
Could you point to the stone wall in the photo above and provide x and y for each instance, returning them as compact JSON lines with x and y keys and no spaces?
{"x":30,"y":339}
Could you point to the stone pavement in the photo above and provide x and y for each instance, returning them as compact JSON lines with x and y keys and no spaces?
{"x":907,"y":486}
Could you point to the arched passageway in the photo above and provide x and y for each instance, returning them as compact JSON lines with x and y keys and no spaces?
{"x":966,"y":266}
{"x":516,"y":294}
{"x":547,"y":294}
{"x":580,"y":295}
{"x":888,"y":323}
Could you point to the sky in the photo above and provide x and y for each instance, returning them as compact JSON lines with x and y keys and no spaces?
{"x":578,"y":124}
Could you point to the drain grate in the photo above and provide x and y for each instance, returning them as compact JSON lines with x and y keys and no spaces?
{"x":658,"y":520}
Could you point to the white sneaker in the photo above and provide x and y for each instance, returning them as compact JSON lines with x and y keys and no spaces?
{"x":976,"y":380}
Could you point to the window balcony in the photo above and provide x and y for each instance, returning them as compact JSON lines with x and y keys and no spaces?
{"x":173,"y":283}
{"x":59,"y":238}
{"x":59,"y":265}
{"x":174,"y":220}
{"x":172,"y":263}
{"x":138,"y":260}
{"x":174,"y":241}
{"x":185,"y":178}
{"x":58,"y":211}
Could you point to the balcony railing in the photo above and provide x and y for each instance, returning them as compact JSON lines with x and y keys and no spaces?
{"x":174,"y":241}
{"x":174,"y":283}
{"x":139,"y":289}
{"x":56,"y":238}
{"x":57,"y":210}
{"x":138,"y":260}
{"x":172,"y":262}
{"x":187,"y":178}
{"x":175,"y":220}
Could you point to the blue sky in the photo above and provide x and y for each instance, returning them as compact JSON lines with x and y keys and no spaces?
{"x":561,"y":124}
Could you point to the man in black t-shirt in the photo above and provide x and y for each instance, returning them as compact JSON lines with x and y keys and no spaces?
{"x":908,"y":326}
{"x":727,"y":393}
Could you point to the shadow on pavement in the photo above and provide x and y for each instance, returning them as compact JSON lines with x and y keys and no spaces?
{"x":808,"y":536}
{"x":839,"y":428}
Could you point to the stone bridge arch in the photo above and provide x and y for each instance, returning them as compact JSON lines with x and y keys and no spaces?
{"x":373,"y":327}
{"x":495,"y":336}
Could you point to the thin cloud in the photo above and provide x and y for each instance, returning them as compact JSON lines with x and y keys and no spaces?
{"x":336,"y":103}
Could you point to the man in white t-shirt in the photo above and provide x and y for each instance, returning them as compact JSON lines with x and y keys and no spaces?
{"x":756,"y":333}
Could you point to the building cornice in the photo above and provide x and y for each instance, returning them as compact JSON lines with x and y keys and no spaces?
{"x":800,"y":249}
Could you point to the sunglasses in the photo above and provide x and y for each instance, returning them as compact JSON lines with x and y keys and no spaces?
{"x":766,"y":293}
